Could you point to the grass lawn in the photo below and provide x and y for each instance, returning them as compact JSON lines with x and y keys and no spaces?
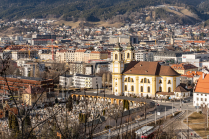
{"x":198,"y":122}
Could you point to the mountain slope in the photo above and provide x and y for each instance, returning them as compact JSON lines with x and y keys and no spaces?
{"x":91,"y":10}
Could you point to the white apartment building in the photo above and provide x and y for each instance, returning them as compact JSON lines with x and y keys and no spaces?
{"x":144,"y":56}
{"x":195,"y":58}
{"x":28,"y":67}
{"x":65,"y":56}
{"x":45,"y":56}
{"x":66,"y":81}
{"x":80,"y":81}
{"x":87,"y":81}
{"x":201,"y":93}
{"x":24,"y":54}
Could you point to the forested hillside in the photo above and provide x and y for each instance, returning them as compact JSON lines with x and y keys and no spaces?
{"x":91,"y":10}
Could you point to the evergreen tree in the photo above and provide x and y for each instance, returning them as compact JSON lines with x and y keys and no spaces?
{"x":69,"y":104}
{"x":10,"y":121}
{"x":56,"y":101}
{"x":14,"y":124}
{"x":27,"y":121}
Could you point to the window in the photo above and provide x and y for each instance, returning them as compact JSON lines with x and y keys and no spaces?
{"x":116,"y":90}
{"x":133,"y":55}
{"x":205,"y":94}
{"x":116,"y":84}
{"x":141,"y":81}
{"x":148,"y":81}
{"x":145,"y":80}
{"x":129,"y":79}
{"x":205,"y":99}
{"x":132,"y":80}
{"x":148,"y":89}
{"x":201,"y":94}
{"x":160,"y":89}
{"x":160,"y":81}
{"x":132,"y":88}
{"x":116,"y":57}
{"x":169,"y":89}
{"x":197,"y":94}
{"x":128,"y":55}
{"x":125,"y":87}
{"x":125,"y":79}
{"x":169,"y":81}
{"x":201,"y":99}
{"x":197,"y":99}
{"x":121,"y":56}
{"x":142,"y":89}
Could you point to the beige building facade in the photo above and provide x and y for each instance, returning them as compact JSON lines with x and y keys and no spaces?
{"x":144,"y":78}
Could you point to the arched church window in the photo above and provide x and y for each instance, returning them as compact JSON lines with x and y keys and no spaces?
{"x":125,"y":87}
{"x":142,"y":89}
{"x":169,"y":81}
{"x":132,"y":88}
{"x":148,"y":89}
{"x":116,"y":57}
{"x":129,"y":79}
{"x":141,"y":81}
{"x":160,"y":89}
{"x":128,"y":55}
{"x":169,"y":89}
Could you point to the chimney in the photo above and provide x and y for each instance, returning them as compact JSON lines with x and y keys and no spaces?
{"x":203,"y":76}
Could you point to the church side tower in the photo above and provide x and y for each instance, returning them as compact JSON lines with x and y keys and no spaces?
{"x":129,"y":53}
{"x":117,"y":69}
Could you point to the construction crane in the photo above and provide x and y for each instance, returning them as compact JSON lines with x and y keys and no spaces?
{"x":28,"y":51}
{"x":52,"y":49}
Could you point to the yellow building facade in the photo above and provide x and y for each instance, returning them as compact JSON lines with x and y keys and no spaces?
{"x":143,"y":78}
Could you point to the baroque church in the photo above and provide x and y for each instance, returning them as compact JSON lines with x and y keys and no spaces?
{"x":140,"y":78}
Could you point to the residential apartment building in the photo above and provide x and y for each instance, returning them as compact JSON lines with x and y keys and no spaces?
{"x":201,"y":91}
{"x":144,"y":56}
{"x":183,"y":68}
{"x":87,"y":56}
{"x":65,"y":56}
{"x":169,"y":57}
{"x":87,"y":81}
{"x":66,"y":81}
{"x":79,"y":55}
{"x":44,"y":56}
{"x":196,"y":58}
{"x":80,"y":81}
{"x":98,"y":55}
{"x":35,"y":95}
{"x":24,"y":54}
{"x":77,"y":67}
{"x":19,"y":83}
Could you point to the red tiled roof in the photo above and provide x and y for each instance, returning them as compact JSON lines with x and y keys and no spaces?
{"x":165,"y":93}
{"x":203,"y":84}
{"x":149,"y":68}
{"x":183,"y":66}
